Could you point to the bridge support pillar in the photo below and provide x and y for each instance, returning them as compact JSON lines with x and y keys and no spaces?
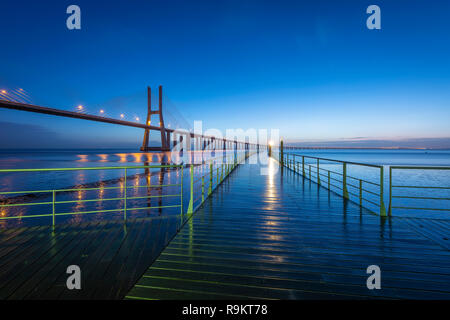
{"x":165,"y":138}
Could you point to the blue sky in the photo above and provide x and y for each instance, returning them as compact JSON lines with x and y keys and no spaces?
{"x":309,"y":68}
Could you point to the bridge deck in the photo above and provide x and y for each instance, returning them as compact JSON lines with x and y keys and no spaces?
{"x":282,"y":237}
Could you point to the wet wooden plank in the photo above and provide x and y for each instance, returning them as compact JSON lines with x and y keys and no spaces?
{"x":112,"y":256}
{"x":281,"y":237}
{"x":55,"y":261}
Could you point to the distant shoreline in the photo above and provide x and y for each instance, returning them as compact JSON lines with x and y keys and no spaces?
{"x":366,"y":148}
{"x":287,"y":146}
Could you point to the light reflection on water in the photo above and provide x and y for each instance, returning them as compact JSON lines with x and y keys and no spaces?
{"x":142,"y":184}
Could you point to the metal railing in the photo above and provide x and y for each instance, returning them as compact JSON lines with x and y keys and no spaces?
{"x":53,"y":195}
{"x":212,"y":173}
{"x":356,"y":189}
{"x":414,"y":189}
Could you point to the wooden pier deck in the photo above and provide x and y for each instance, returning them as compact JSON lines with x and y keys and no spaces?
{"x":282,"y":237}
{"x":112,"y":256}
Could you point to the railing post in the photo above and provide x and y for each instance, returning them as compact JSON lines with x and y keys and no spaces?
{"x":318,"y":173}
{"x":360,"y":192}
{"x":181,"y":192}
{"x":191,"y":199}
{"x":210,"y":178}
{"x":344,"y":181}
{"x":281,"y":153}
{"x":53,"y":208}
{"x":303,"y":166}
{"x":390,"y":192}
{"x":309,"y":172}
{"x":125,"y":196}
{"x":221,"y":174}
{"x":329,"y":178}
{"x":382,"y":208}
{"x":203,"y":189}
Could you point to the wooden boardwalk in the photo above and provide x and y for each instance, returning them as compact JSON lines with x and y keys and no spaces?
{"x":282,"y":237}
{"x":112,"y":256}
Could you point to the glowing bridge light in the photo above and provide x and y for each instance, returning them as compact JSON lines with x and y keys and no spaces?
{"x":122,"y":115}
{"x":149,"y":122}
{"x":137,"y":118}
{"x":80,"y":107}
{"x":4,"y":91}
{"x":102,"y":111}
{"x":270,"y":143}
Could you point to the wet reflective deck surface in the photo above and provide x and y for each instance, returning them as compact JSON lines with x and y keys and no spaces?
{"x":112,"y":255}
{"x":282,"y":237}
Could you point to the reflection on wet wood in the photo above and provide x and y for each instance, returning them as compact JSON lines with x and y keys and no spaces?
{"x":112,"y":256}
{"x":282,"y":237}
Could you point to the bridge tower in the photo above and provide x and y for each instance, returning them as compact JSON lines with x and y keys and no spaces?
{"x":165,"y":138}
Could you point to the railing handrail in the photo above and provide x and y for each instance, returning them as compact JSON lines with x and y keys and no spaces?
{"x":93,"y":168}
{"x":421,"y":167}
{"x":340,"y":161}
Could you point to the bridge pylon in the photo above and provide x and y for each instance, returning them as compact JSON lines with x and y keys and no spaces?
{"x":165,"y":138}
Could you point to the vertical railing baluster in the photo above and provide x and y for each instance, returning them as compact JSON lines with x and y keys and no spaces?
{"x":281,"y":153}
{"x":303,"y":166}
{"x":329,"y":178}
{"x":344,"y":181}
{"x":210,"y":179}
{"x":318,"y":173}
{"x":382,"y":208}
{"x":191,"y":199}
{"x":360,"y":193}
{"x":125,"y":196}
{"x":390,"y":192}
{"x":53,"y":208}
{"x":181,"y":193}
{"x":203,"y":189}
